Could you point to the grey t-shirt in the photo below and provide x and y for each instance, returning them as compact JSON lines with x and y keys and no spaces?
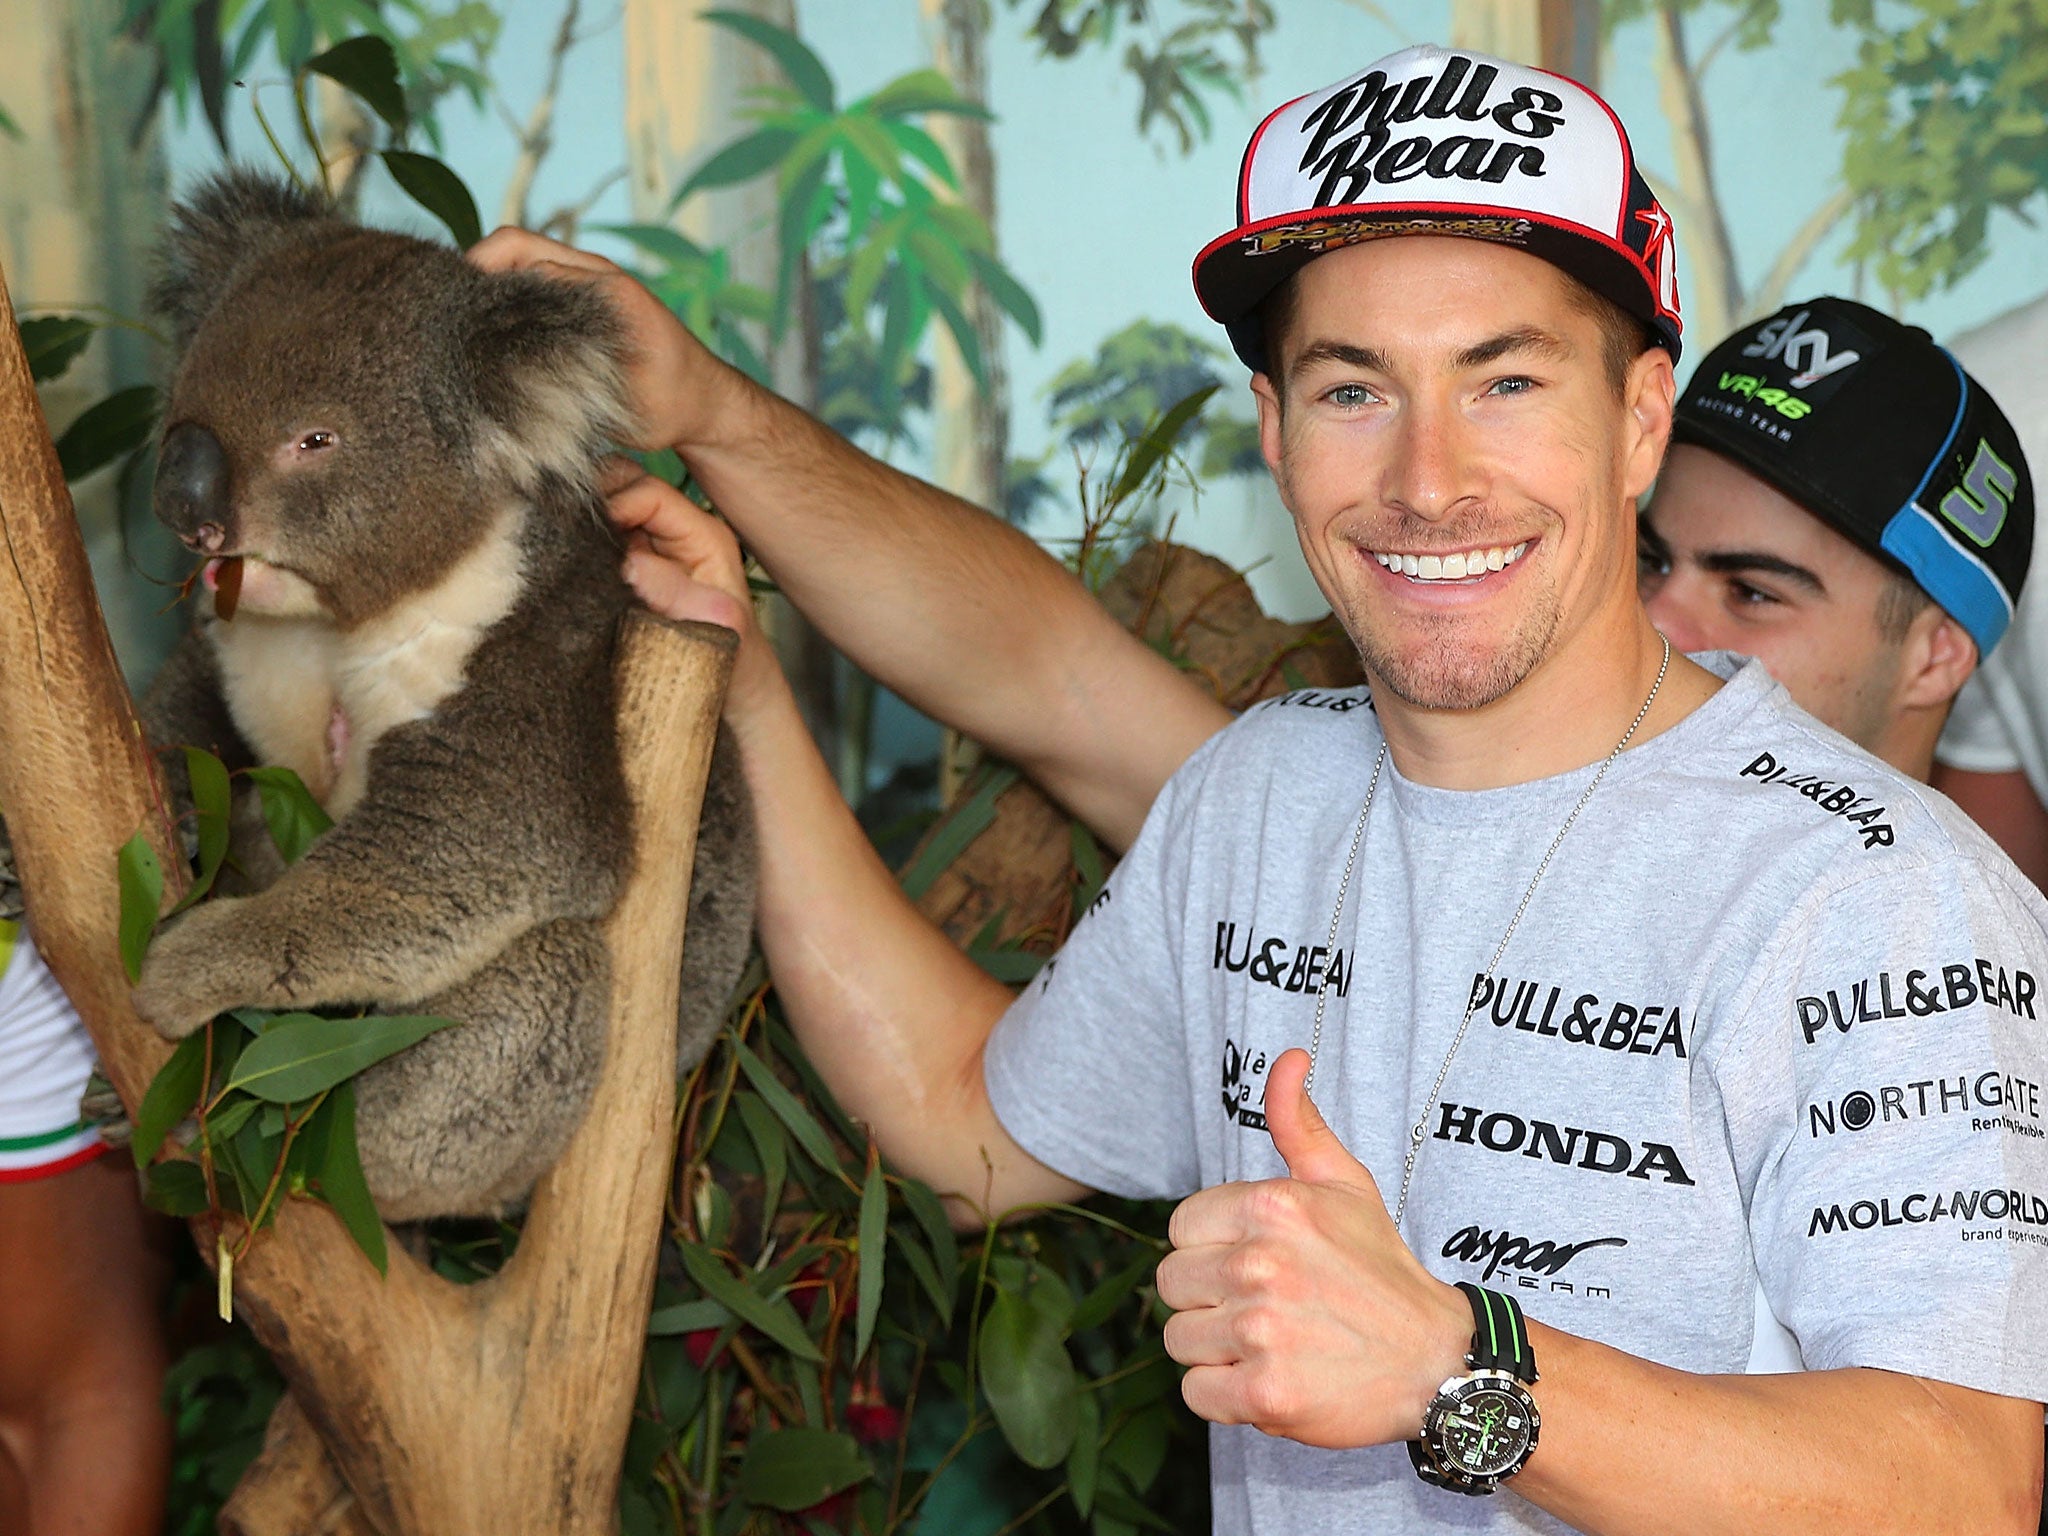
{"x":1772,"y":1018}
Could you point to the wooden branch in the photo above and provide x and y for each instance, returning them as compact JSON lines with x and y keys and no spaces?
{"x":448,"y":1410}
{"x":76,"y":779}
{"x":1770,"y":293}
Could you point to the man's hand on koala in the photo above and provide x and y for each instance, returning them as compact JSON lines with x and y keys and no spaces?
{"x":675,"y":380}
{"x":685,"y":564}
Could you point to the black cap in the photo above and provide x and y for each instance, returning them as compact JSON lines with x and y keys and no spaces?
{"x":1880,"y":433}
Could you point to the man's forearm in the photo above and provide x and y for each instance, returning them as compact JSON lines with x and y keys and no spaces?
{"x":953,"y":609}
{"x":1631,"y":1447}
{"x":891,"y":1014}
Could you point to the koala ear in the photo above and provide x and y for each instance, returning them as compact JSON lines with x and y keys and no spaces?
{"x":548,"y":360}
{"x":231,"y":220}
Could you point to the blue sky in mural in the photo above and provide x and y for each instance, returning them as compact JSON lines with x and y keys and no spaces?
{"x":1101,"y":225}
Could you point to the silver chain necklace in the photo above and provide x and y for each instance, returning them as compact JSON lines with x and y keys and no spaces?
{"x":1420,"y":1129}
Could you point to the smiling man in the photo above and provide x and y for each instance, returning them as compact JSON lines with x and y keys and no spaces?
{"x":1624,"y":988}
{"x":1784,"y":522}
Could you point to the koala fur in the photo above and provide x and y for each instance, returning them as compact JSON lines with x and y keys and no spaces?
{"x":403,"y":450}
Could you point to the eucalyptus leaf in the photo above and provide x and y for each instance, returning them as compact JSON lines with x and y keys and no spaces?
{"x":938,"y":1231}
{"x":788,"y":1108}
{"x":806,"y":71}
{"x":771,"y":1144}
{"x":212,"y":801}
{"x":1030,"y":1380}
{"x":794,"y":1468}
{"x":53,"y":343}
{"x":1100,"y":1304}
{"x":302,"y":1054}
{"x":777,"y":1319}
{"x":291,"y":813}
{"x":970,"y":818}
{"x":104,"y":432}
{"x":1158,"y":441}
{"x":438,"y":190}
{"x":1085,"y":1460}
{"x":688,"y":1317}
{"x":741,"y":160}
{"x":874,"y":1247}
{"x":176,"y":1188}
{"x":340,"y":1178}
{"x":368,"y":67}
{"x":142,"y":892}
{"x":170,"y":1097}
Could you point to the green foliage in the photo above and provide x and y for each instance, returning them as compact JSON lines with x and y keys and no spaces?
{"x":1134,"y":377}
{"x":53,"y":343}
{"x":865,"y":198}
{"x":698,"y":285}
{"x":219,"y":1396}
{"x":272,"y":1093}
{"x":1176,"y":66}
{"x":1947,"y":118}
{"x":111,"y":429}
{"x":204,"y":46}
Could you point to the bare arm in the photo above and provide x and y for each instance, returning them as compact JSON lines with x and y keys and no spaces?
{"x":2004,"y":805}
{"x":886,"y":1008}
{"x":939,"y":600}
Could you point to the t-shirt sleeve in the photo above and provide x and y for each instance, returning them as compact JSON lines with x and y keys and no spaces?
{"x":1088,"y":1066}
{"x":1976,"y":739}
{"x":1884,"y":1102}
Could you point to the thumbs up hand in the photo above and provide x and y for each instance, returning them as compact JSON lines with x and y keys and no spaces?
{"x":1297,"y":1307}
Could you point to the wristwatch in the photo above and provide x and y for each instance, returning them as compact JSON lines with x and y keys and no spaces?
{"x":1480,"y":1429}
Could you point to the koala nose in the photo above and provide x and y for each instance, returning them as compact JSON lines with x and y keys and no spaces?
{"x":191,"y":495}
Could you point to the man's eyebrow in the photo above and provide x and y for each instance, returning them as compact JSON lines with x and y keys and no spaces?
{"x":1740,"y":562}
{"x":1649,"y":538}
{"x":1347,"y":353}
{"x":1530,"y":339}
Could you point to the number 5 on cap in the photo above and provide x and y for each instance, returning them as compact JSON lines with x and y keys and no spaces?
{"x":1978,"y":506}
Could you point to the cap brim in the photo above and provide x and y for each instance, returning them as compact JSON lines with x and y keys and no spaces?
{"x":1237,"y":272}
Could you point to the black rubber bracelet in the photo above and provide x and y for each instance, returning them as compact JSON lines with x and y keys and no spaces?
{"x":1500,"y":1341}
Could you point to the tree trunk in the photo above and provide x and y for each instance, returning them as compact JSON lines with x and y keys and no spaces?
{"x":82,"y":190}
{"x":449,"y":1410}
{"x":687,"y":86}
{"x":971,"y":422}
{"x":1562,"y":35}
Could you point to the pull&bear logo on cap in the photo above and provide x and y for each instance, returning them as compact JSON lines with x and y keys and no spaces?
{"x":1640,"y":1029}
{"x":1918,"y":995}
{"x":1351,"y":144}
{"x":1836,"y":798}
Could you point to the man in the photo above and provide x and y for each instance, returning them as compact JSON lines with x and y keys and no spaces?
{"x":1460,"y":416}
{"x":1803,"y":451}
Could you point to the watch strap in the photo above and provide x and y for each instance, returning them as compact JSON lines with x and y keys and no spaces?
{"x":1427,"y":1469}
{"x":1500,"y":1338}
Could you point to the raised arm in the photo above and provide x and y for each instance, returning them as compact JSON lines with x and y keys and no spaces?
{"x":939,"y":600}
{"x":887,"y":1009}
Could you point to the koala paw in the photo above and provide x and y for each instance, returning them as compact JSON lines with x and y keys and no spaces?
{"x":190,"y":972}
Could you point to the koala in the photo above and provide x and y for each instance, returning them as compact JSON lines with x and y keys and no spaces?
{"x":397,"y":455}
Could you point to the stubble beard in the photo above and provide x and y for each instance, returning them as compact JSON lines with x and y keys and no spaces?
{"x":1437,"y":665}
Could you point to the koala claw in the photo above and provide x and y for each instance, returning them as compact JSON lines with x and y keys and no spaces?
{"x":182,"y":983}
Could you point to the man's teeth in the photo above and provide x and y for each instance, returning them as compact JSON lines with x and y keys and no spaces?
{"x":1458,"y":567}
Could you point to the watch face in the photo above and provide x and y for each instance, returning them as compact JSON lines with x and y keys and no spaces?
{"x":1482,"y":1426}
